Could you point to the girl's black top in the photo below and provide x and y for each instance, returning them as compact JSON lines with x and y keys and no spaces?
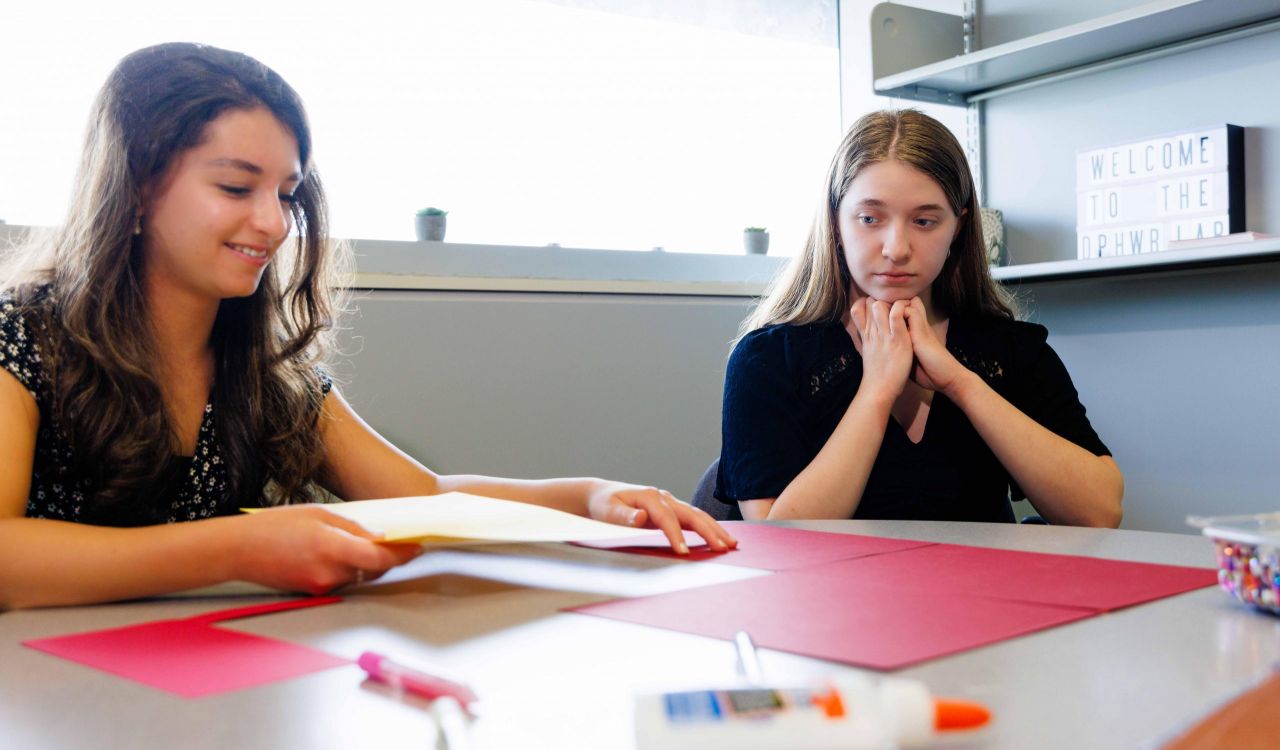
{"x":187,"y":488}
{"x":788,"y":386}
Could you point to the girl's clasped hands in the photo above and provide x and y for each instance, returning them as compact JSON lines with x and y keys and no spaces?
{"x":897,"y":342}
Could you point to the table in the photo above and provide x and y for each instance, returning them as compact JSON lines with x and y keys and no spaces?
{"x":549,"y":679}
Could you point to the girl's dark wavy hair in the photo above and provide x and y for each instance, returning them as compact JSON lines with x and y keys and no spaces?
{"x":86,"y":280}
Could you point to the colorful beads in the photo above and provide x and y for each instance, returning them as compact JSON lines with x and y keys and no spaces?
{"x":1251,"y":573}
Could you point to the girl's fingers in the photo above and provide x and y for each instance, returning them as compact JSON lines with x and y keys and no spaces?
{"x":663,"y":515}
{"x":910,"y":314}
{"x":706,"y":527}
{"x":622,"y":513}
{"x":859,"y":313}
{"x":347,"y":525}
{"x":699,"y":521}
{"x":374,"y":561}
{"x":897,"y":317}
{"x":672,"y":517}
{"x":399,"y":554}
{"x":857,"y":322}
{"x":879,"y":316}
{"x":371,"y":556}
{"x":915,"y":313}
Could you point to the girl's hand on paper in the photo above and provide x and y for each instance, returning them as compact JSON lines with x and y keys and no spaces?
{"x":638,"y":506}
{"x":307,"y":548}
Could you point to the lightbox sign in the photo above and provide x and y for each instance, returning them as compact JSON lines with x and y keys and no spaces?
{"x":1136,"y":197}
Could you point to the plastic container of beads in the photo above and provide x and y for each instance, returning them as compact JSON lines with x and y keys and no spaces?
{"x":1247,"y":548}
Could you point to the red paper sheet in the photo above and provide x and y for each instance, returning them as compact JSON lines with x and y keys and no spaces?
{"x":1063,"y":580}
{"x":766,"y":547}
{"x":838,"y":618}
{"x":891,"y":610}
{"x":191,"y":657}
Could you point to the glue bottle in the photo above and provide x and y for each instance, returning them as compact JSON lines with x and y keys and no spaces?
{"x":849,"y":713}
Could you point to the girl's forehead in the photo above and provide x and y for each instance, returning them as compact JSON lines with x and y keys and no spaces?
{"x":893,"y":183}
{"x":254,"y":135}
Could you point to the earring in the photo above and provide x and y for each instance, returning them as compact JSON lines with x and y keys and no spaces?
{"x":137,"y":226}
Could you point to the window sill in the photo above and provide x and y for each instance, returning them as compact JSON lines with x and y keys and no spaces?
{"x":450,"y":266}
{"x":383,"y":264}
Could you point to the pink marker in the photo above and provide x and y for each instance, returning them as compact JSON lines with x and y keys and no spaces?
{"x":412,"y":681}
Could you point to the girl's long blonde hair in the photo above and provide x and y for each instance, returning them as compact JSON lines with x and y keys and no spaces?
{"x":815,"y":285}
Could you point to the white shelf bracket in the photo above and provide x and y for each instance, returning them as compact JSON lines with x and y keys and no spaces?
{"x":904,"y":38}
{"x":973,"y":149}
{"x":971,"y":39}
{"x":974,"y":109}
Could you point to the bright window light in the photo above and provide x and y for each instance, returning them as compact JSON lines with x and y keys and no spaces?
{"x":623,"y":124}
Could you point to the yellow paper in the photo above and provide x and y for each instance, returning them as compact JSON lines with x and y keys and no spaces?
{"x":457,"y":516}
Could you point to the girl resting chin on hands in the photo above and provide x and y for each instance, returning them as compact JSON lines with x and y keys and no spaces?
{"x":884,"y":376}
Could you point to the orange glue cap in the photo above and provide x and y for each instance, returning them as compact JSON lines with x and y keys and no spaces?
{"x":952,"y":714}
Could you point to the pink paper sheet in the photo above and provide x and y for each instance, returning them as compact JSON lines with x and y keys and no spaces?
{"x":766,"y":547}
{"x":890,"y":610}
{"x":841,"y":619}
{"x":1062,"y":580}
{"x":192,"y":658}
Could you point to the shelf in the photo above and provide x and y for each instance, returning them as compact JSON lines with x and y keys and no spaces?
{"x":1168,"y":260}
{"x":1151,"y":29}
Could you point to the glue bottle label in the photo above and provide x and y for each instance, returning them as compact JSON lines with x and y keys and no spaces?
{"x":724,"y":705}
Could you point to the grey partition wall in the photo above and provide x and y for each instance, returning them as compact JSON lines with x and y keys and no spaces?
{"x":536,"y":384}
{"x":1179,"y":373}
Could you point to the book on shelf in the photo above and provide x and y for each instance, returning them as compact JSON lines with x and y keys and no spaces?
{"x":1225,"y":239}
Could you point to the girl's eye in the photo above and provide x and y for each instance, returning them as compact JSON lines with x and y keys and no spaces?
{"x":926,"y":222}
{"x":866,"y":220}
{"x":241,"y":192}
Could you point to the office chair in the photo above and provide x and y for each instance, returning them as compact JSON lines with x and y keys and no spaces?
{"x":1016,"y":495}
{"x":704,"y":497}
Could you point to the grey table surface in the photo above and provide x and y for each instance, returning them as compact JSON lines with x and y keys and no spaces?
{"x":550,"y":679}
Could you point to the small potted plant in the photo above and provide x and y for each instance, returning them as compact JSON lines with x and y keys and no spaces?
{"x":755,"y":240}
{"x":430,"y":224}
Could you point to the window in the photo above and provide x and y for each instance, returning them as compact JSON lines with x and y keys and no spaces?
{"x":612,"y":124}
